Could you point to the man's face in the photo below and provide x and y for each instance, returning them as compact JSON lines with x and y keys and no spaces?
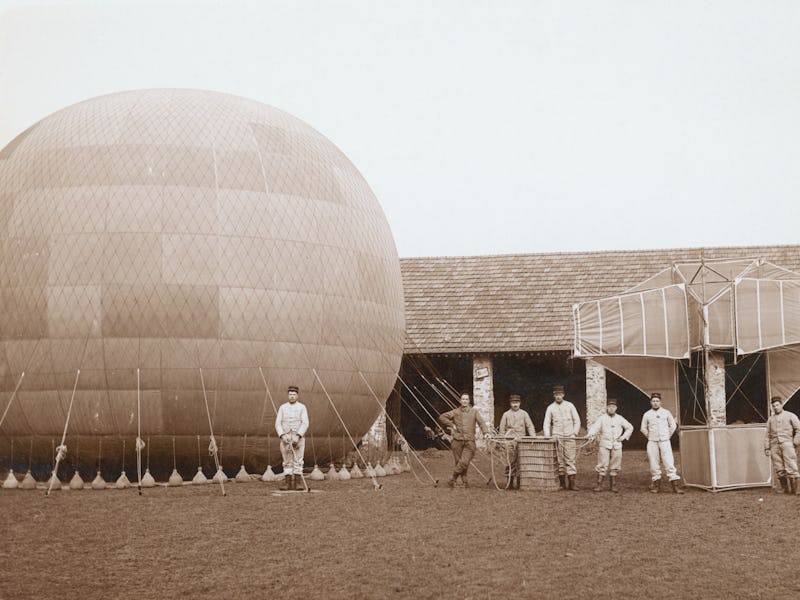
{"x":515,"y":406}
{"x":611,"y":409}
{"x":293,"y":397}
{"x":655,"y":403}
{"x":559,"y":396}
{"x":777,"y":407}
{"x":464,"y":400}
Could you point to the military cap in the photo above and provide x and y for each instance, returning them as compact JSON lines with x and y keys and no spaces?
{"x":776,"y":399}
{"x":612,"y":401}
{"x":558,"y":389}
{"x":293,"y":388}
{"x":515,"y":398}
{"x":655,"y":395}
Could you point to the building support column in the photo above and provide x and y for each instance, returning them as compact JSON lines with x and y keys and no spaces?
{"x":715,"y":389}
{"x":595,"y":391}
{"x":483,"y":389}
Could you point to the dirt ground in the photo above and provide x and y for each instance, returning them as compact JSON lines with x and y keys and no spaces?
{"x":407,"y":540}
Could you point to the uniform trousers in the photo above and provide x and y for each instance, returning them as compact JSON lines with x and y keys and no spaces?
{"x":784,"y":458}
{"x":609,"y":461}
{"x":661,"y":452}
{"x":463,"y":451}
{"x":566,"y":456}
{"x":293,"y":461}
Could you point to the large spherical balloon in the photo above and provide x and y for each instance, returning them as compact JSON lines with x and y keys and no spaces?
{"x":213,"y":247}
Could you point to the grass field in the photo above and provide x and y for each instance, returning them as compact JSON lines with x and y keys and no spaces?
{"x":407,"y":540}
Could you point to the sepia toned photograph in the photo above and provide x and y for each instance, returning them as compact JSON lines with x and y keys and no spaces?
{"x":343,"y":299}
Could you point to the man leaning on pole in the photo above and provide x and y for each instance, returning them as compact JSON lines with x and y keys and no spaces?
{"x":461,"y":422}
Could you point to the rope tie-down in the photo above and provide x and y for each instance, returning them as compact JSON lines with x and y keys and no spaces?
{"x":213,"y":449}
{"x":61,"y":450}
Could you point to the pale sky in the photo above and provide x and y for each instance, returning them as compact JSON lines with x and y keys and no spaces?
{"x":482,"y":127}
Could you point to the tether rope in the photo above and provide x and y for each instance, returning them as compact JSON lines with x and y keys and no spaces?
{"x":199,"y":454}
{"x":375,"y":483}
{"x":391,"y":421}
{"x":10,"y":400}
{"x":62,"y":448}
{"x":507,"y":444}
{"x":139,"y":441}
{"x":212,"y":446}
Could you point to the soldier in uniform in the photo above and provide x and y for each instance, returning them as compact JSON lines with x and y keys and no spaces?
{"x":783,"y":432}
{"x":562,"y":421}
{"x":461,"y":422}
{"x":515,"y":423}
{"x":658,"y":425}
{"x":291,"y":425}
{"x":611,"y":429}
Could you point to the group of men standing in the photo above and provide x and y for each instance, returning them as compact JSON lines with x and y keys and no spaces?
{"x":562,"y":422}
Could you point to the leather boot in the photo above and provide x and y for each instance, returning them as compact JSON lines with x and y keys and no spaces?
{"x":676,"y":489}
{"x":784,"y":484}
{"x":562,"y":482}
{"x":599,"y":486}
{"x":452,"y":481}
{"x":655,"y":486}
{"x":288,"y":483}
{"x":793,"y":485}
{"x":571,"y":483}
{"x":464,"y":480}
{"x":612,"y":484}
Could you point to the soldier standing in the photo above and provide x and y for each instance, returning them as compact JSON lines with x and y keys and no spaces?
{"x":562,"y":421}
{"x":461,"y":422}
{"x":611,"y":429}
{"x":291,"y":424}
{"x":658,"y":425}
{"x":515,"y":423}
{"x":783,"y":432}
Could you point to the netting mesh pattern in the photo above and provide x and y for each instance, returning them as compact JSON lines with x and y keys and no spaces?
{"x":177,"y":230}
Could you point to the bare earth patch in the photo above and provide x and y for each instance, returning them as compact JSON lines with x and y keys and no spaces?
{"x":407,"y":540}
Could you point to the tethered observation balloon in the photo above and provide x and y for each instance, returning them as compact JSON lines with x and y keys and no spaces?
{"x":181,"y":233}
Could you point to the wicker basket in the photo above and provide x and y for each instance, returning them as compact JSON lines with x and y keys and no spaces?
{"x":538,"y":464}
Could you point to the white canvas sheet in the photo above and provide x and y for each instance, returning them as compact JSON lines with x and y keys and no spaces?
{"x":649,"y":375}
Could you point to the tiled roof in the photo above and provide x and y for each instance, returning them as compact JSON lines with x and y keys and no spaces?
{"x":523,"y":302}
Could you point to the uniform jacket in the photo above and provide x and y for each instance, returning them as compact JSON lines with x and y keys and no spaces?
{"x":611,"y":431}
{"x":784,"y":427}
{"x":464,"y":421}
{"x":561,"y":419}
{"x":518,"y":422}
{"x":292,"y":417}
{"x":658,"y":425}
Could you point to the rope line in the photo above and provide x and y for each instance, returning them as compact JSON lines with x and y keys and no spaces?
{"x":375,"y":483}
{"x":388,"y":418}
{"x":139,"y":441}
{"x":212,"y":446}
{"x":13,"y":395}
{"x":62,"y":448}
